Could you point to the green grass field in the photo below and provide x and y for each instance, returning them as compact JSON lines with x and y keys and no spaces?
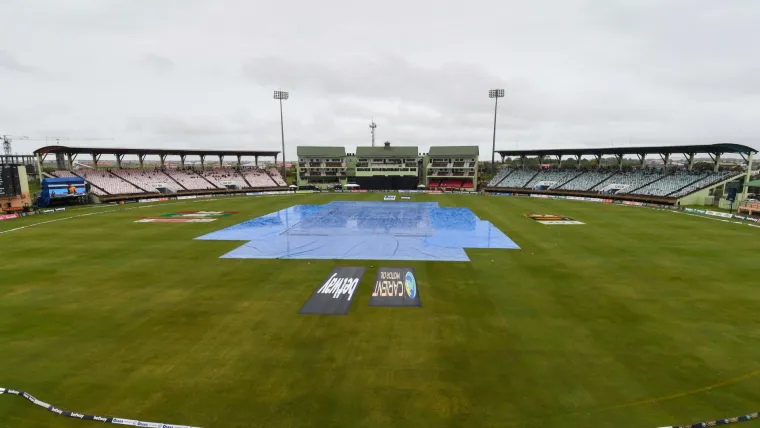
{"x":639,"y":318}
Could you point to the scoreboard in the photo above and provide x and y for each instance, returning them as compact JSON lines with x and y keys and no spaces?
{"x":10,"y":185}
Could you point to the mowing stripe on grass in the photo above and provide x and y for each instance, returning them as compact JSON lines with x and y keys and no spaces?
{"x":85,"y":417}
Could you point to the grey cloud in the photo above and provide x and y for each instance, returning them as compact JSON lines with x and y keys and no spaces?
{"x":449,"y":87}
{"x":201,"y":72}
{"x":157,"y":63}
{"x":10,"y":63}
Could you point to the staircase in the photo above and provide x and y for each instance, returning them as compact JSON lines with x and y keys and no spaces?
{"x":124,"y":179}
{"x":272,"y":178}
{"x":172,"y":179}
{"x":97,"y":187}
{"x":590,"y":189}
{"x":244,"y":179}
{"x":574,"y":177}
{"x":505,"y":177}
{"x":209,"y":181}
{"x":653,"y":181}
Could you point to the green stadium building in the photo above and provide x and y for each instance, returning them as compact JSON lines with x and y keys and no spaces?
{"x":322,"y":167}
{"x":389,"y":167}
{"x":452,"y":168}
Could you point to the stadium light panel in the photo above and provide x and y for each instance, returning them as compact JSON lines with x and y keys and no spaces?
{"x":281,"y":95}
{"x":496,"y":93}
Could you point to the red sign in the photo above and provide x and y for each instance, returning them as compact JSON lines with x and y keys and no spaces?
{"x":8,"y":216}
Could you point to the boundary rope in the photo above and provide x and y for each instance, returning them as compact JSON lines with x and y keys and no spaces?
{"x":75,"y":415}
{"x":736,"y":419}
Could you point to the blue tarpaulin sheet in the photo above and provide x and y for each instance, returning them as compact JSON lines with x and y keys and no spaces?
{"x":364,"y":231}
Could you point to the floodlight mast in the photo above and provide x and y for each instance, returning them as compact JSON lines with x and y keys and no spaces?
{"x":495,"y":94}
{"x":372,"y":127}
{"x":282,"y":95}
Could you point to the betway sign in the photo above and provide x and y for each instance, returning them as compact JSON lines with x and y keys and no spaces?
{"x":335,"y":294}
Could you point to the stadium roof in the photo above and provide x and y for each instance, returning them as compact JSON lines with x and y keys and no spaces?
{"x":323,"y":151}
{"x":177,"y":152}
{"x":388,"y":151}
{"x":689,"y":148}
{"x":453,"y":151}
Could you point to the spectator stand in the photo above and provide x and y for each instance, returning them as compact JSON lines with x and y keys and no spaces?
{"x":668,"y":185}
{"x":123,"y":182}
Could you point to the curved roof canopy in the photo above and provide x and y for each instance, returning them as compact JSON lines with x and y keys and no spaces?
{"x":689,"y":148}
{"x":166,"y":152}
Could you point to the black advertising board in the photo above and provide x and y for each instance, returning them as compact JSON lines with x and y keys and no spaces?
{"x":335,"y":294}
{"x":395,"y":287}
{"x":7,"y":187}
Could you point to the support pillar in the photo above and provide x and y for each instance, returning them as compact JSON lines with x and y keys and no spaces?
{"x":39,"y":165}
{"x":717,"y":162}
{"x":690,"y":156}
{"x":579,"y":160}
{"x":522,"y":161}
{"x":118,"y":160}
{"x":642,"y":159}
{"x":163,"y":161}
{"x":140,"y":159}
{"x":559,"y":161}
{"x":747,"y":177}
{"x":620,"y":161}
{"x":256,"y":161}
{"x":203,"y":162}
{"x":95,"y":160}
{"x":665,"y":159}
{"x":598,"y":161}
{"x":221,"y":161}
{"x":238,"y":163}
{"x":182,"y":161}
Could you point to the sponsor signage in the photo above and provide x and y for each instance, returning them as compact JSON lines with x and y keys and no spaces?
{"x":718,"y":214}
{"x":406,"y":198}
{"x":120,"y":421}
{"x":8,"y":216}
{"x":180,"y":198}
{"x":86,"y":417}
{"x":279,"y":192}
{"x":395,"y":287}
{"x":534,"y":195}
{"x":389,"y":197}
{"x":552,"y":219}
{"x":199,"y":214}
{"x":152,"y":199}
{"x":175,"y":220}
{"x":336,"y":293}
{"x":638,"y":204}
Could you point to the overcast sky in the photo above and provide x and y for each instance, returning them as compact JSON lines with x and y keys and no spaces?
{"x":200,"y":74}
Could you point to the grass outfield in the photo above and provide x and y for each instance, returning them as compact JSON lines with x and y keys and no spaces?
{"x":639,"y":318}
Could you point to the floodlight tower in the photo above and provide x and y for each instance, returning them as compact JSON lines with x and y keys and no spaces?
{"x":372,"y":127}
{"x":495,"y":94}
{"x":7,"y":144}
{"x":282,"y":95}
